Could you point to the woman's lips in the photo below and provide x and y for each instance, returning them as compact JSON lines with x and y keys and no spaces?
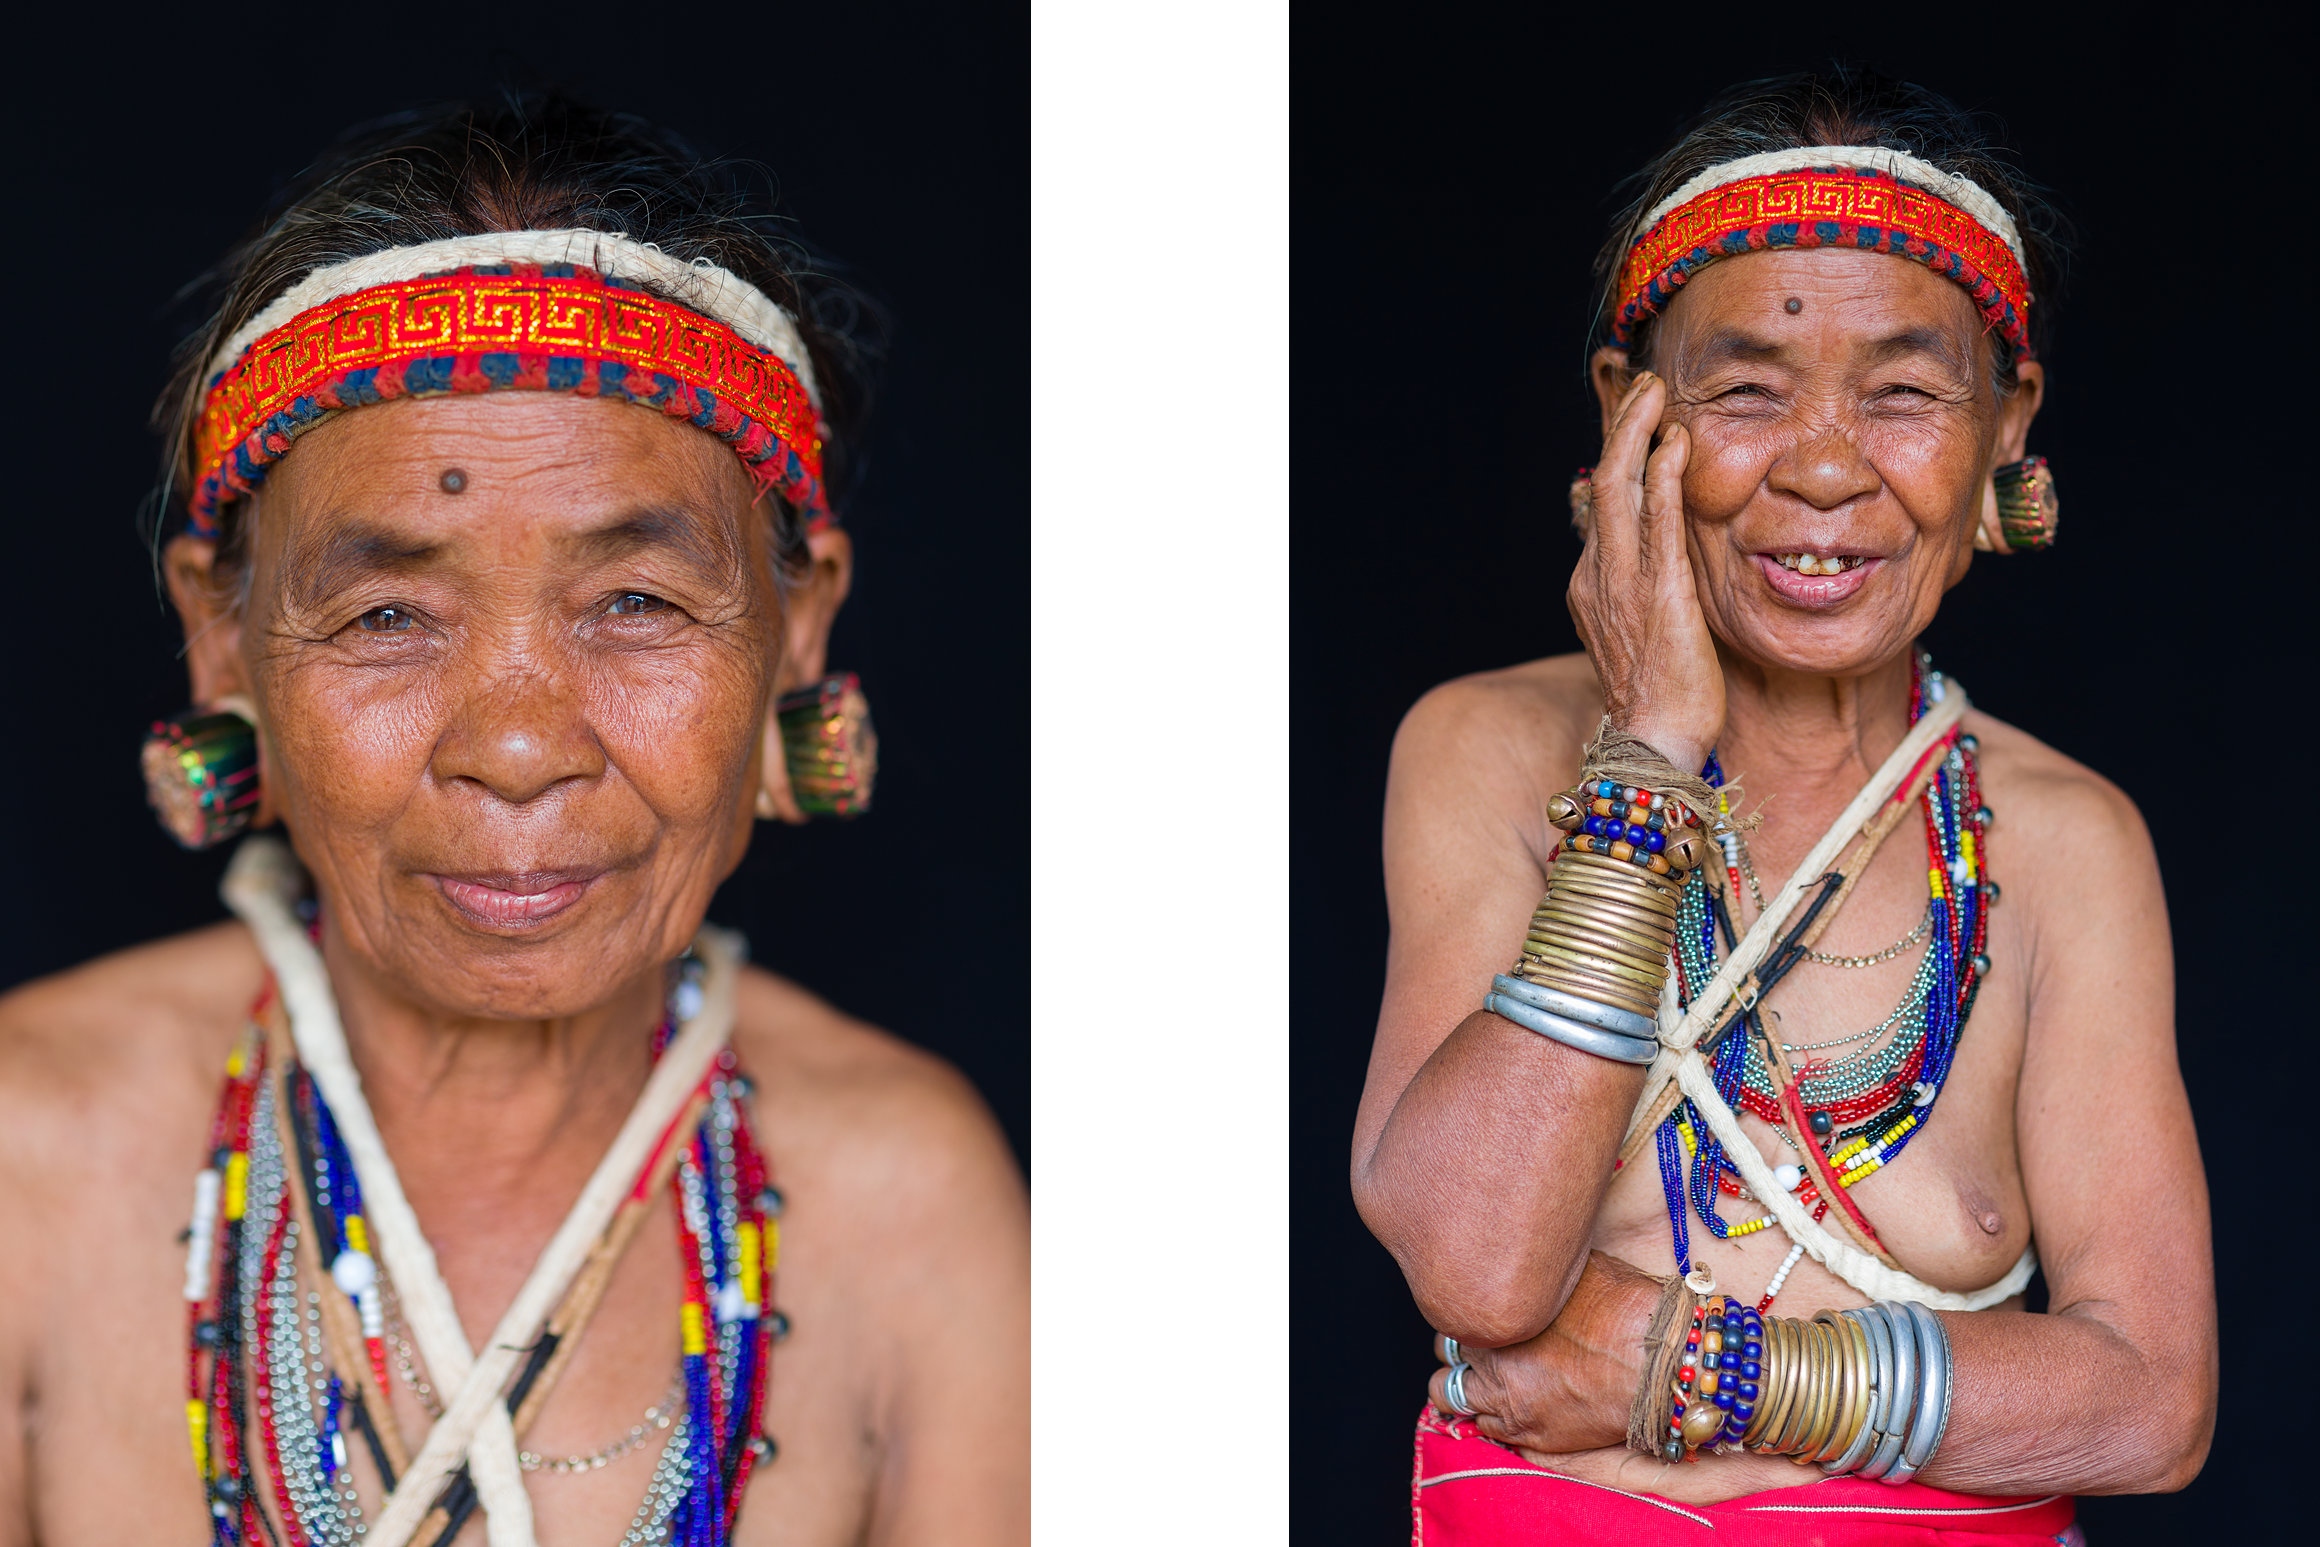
{"x":1813,"y":590}
{"x":500,"y":900}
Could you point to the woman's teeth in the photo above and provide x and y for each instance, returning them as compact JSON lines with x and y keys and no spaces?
{"x":1814,"y":564}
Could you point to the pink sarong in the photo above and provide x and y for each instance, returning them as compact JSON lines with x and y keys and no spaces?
{"x":1466,"y":1491}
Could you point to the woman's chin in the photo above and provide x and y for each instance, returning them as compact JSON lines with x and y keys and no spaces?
{"x":501,"y":958}
{"x":1833,"y":644}
{"x":565,"y":980}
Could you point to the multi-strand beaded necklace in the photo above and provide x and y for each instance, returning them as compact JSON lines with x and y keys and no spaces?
{"x":1864,"y":1108}
{"x":258,"y":1334}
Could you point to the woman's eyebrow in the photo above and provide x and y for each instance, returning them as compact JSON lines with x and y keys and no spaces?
{"x":344,"y":551}
{"x":1732,"y":344}
{"x":1940,"y":343}
{"x":696,"y":541}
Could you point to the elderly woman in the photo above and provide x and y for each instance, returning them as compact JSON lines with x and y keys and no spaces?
{"x":1728,"y":1156}
{"x":521,"y":1209}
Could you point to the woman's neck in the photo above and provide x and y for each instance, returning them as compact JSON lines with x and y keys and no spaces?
{"x":493,"y":1101}
{"x":1803,"y":745}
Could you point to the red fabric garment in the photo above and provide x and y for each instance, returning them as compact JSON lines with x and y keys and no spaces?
{"x":1466,"y":1491}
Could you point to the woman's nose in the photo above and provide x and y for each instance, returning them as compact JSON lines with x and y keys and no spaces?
{"x":518,"y":735}
{"x":1825,"y":470}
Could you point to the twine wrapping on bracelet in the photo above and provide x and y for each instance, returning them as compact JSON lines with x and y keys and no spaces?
{"x":1625,"y":759}
{"x":1647,"y":1415}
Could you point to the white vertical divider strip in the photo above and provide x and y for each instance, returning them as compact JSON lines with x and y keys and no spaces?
{"x":1160,"y":768}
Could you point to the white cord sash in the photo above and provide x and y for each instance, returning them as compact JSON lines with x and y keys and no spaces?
{"x":1679,"y":1057}
{"x":474,"y":1428}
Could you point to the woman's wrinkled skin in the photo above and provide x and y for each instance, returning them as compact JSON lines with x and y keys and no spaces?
{"x":1839,"y":405}
{"x":517,"y":733}
{"x":539,"y":678}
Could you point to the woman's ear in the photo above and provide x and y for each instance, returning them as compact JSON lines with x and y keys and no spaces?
{"x":814,"y":600}
{"x":210,"y":612}
{"x":2016,"y":412}
{"x":1610,"y":373}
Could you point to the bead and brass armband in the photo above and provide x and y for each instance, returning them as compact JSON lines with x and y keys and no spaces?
{"x":1596,"y":954}
{"x":1863,"y":1391}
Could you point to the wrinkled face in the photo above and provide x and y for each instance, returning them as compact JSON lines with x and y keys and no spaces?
{"x":512,"y":656}
{"x":1843,"y":426}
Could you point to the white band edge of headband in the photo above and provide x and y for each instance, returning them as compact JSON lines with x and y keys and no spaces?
{"x":716,"y":293}
{"x":1950,"y":188}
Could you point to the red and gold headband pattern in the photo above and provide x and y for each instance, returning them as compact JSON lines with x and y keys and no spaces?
{"x":556,"y":327}
{"x":1861,"y":208}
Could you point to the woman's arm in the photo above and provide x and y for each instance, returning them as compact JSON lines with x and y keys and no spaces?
{"x":953,"y":1268}
{"x":2112,"y":1391}
{"x":1482,"y":1151}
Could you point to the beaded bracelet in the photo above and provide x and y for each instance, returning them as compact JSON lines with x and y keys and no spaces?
{"x":1862,"y":1391}
{"x":1596,"y":955}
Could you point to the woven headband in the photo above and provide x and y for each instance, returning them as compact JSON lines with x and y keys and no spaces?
{"x":1860,"y":197}
{"x":553,"y":311}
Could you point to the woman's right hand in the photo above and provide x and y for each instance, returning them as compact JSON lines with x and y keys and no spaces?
{"x":1569,"y":1388}
{"x":1633,"y":596}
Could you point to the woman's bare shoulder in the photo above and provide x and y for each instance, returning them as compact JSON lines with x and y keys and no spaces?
{"x":129,"y":1024}
{"x":1549,"y":703}
{"x":2067,"y":843}
{"x":1481,"y":753}
{"x":1516,"y":724}
{"x":874,"y":1118}
{"x":2033,"y":789}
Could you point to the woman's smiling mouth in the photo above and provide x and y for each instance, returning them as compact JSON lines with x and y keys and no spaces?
{"x":501,"y":900}
{"x":1805,"y":579}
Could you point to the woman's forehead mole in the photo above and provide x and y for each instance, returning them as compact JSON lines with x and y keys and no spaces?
{"x":1792,"y":306}
{"x":455,"y":479}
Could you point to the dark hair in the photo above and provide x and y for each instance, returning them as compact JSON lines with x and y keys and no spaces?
{"x":529,"y":161}
{"x":1846,"y":105}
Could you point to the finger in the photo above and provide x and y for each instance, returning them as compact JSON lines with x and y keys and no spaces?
{"x":1660,"y":528}
{"x":1438,"y":1391}
{"x":1477,"y":1383}
{"x":1628,"y":442}
{"x":1619,"y":476}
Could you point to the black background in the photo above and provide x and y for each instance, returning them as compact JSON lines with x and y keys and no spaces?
{"x":1451,"y":182}
{"x":899,"y":139}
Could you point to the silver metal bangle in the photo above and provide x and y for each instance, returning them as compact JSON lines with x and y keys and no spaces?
{"x":1587,"y":1039}
{"x":1572,"y":1007}
{"x":1920,"y":1419}
{"x":1901,"y":1339}
{"x":1454,"y":1390}
{"x":1867,"y":1438}
{"x":1883,"y":1373}
{"x":1933,"y":1398}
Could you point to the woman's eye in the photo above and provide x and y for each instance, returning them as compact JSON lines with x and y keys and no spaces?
{"x":387,"y":620}
{"x":630,"y":603}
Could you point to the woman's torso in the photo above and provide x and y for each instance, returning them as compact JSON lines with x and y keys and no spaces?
{"x":1953,"y":1209}
{"x":108,"y":1079}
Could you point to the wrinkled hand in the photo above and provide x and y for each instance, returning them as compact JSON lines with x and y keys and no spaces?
{"x":1632,"y":595}
{"x":1569,"y":1388}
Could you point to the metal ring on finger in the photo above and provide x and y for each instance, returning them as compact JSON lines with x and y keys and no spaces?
{"x":1454,"y":1390}
{"x":1449,"y":1349}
